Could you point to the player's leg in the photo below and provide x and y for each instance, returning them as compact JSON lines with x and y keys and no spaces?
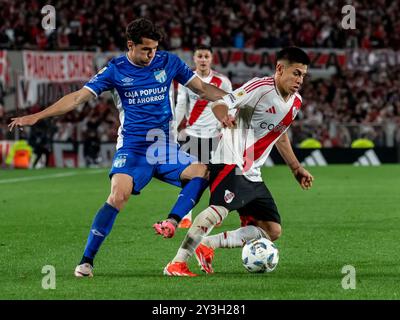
{"x":180,"y":170}
{"x":259,"y":218}
{"x":121,"y":188}
{"x":195,"y":182}
{"x":194,"y":179}
{"x":228,"y":192}
{"x":38,"y":156}
{"x":188,"y":146}
{"x":201,"y":227}
{"x":272,"y":229}
{"x":234,"y":238}
{"x":262,"y":213}
{"x":201,"y":149}
{"x":129,"y":174}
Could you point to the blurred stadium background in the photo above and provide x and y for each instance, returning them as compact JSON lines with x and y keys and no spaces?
{"x":352,"y":91}
{"x":350,"y":115}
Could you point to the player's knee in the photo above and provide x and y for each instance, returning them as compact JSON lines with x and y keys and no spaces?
{"x":218,"y":213}
{"x":118,"y":199}
{"x":211,"y":216}
{"x":274,"y":231}
{"x":197,"y":170}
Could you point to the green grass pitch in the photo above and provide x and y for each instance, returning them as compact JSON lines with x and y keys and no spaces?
{"x":350,"y":217}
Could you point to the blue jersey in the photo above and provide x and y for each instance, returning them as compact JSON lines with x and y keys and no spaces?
{"x":141,"y":93}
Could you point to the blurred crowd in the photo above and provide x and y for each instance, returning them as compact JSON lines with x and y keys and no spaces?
{"x":349,"y":105}
{"x":100,"y":24}
{"x":335,"y":111}
{"x":99,"y":116}
{"x":93,"y":123}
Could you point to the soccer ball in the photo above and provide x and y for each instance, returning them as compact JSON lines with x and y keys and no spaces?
{"x":260,"y":255}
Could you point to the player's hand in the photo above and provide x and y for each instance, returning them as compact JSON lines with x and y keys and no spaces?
{"x":228,"y":121}
{"x":182,"y":125}
{"x":303,"y":177}
{"x":22,"y":121}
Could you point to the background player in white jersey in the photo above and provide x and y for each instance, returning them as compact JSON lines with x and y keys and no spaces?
{"x":198,"y":128}
{"x":267,"y":107}
{"x":139,"y":81}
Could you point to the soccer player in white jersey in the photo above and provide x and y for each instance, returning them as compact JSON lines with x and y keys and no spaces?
{"x":197,"y":126}
{"x":266,"y":108}
{"x":139,"y":81}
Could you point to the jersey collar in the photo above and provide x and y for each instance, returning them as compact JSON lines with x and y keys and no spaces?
{"x":132,"y":63}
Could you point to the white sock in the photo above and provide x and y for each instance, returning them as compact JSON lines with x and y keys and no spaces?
{"x":235,"y":238}
{"x":188,"y":216}
{"x":201,"y":227}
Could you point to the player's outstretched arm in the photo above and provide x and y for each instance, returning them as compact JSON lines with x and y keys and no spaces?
{"x":204,"y":90}
{"x":304,"y":178}
{"x":220,"y":111}
{"x":64,"y":105}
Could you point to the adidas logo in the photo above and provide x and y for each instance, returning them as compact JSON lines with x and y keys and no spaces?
{"x":271,"y":110}
{"x":314,"y":159}
{"x":368,"y":159}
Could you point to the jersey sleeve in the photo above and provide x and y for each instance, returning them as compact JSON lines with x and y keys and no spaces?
{"x":181,"y":104}
{"x":244,"y":96}
{"x":101,"y":81}
{"x":183,"y":73}
{"x":226,"y":85}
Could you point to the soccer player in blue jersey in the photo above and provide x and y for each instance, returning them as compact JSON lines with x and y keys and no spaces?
{"x":139,"y":82}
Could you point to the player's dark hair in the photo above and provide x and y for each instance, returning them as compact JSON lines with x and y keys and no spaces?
{"x":202,"y":47}
{"x":142,"y":28}
{"x":293,"y":55}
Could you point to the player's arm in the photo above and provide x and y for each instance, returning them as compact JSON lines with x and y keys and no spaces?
{"x":223,"y":111}
{"x":64,"y":105}
{"x":220,"y":110}
{"x":205,"y":90}
{"x":285,"y":149}
{"x":239,"y":98}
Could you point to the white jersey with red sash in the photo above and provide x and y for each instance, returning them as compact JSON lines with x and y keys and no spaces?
{"x":201,"y":121}
{"x":262,"y":118}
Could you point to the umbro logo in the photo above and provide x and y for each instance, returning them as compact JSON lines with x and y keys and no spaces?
{"x":127,"y":80}
{"x":271,"y":110}
{"x":97,"y":233}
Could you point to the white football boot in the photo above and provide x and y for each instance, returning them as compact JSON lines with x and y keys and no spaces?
{"x":83,"y":270}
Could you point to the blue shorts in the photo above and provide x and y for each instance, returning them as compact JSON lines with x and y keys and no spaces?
{"x":164,"y":162}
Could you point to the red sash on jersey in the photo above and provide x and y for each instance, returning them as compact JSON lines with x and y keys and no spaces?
{"x":200,"y":105}
{"x":255,"y":151}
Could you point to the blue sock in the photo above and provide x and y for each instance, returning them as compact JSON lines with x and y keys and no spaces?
{"x":101,"y":227}
{"x":188,"y":198}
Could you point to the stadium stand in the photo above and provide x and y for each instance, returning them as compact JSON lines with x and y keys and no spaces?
{"x":336,"y":110}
